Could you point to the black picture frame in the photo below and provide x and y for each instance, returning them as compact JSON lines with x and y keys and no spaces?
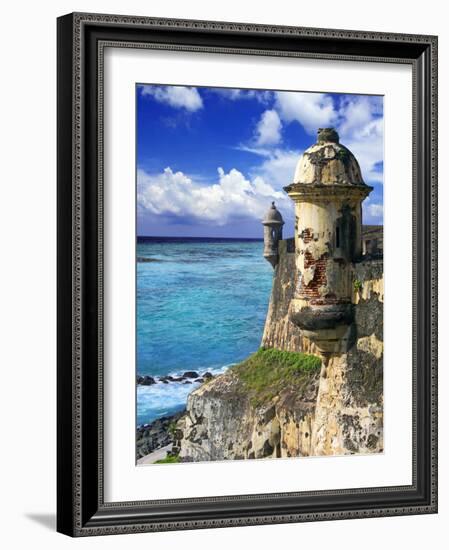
{"x":81,"y":510}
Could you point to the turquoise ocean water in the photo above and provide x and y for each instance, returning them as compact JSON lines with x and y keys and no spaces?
{"x":201,"y":305}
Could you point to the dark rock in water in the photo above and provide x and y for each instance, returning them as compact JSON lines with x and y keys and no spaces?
{"x":144,"y":260}
{"x":157,"y":434}
{"x":187,"y":382}
{"x":146,"y":380}
{"x":190,"y":374}
{"x":169,"y":378}
{"x":200,"y":380}
{"x":207,"y":376}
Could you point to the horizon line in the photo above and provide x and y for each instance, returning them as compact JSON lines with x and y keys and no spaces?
{"x":193,"y":237}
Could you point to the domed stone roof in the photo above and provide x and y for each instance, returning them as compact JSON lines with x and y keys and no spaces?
{"x":328,"y":162}
{"x":273,"y":216}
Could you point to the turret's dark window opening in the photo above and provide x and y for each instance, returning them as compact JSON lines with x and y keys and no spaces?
{"x":337,"y":237}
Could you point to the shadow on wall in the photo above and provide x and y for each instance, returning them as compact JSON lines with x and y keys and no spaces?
{"x":46,"y":520}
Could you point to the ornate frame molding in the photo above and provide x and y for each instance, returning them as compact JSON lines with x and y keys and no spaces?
{"x":81,"y":42}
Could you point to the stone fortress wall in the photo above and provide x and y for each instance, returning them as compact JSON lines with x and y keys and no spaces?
{"x":348,"y":413}
{"x":326,"y":300}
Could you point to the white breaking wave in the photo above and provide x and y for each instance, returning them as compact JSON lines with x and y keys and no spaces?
{"x":162,"y":399}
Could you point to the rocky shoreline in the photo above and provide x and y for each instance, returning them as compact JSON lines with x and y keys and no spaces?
{"x":156,"y":434}
{"x":162,"y":432}
{"x":187,"y":377}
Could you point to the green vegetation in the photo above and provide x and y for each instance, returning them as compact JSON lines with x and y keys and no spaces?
{"x":169,"y":460}
{"x":269,"y":371}
{"x":172,"y":428}
{"x":343,"y":155}
{"x":357,"y":284}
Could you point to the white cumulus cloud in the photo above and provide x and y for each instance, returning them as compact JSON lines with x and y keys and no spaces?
{"x":236,"y":94}
{"x":356,"y":112}
{"x":366,"y":141}
{"x":278,"y":168}
{"x":231,"y":197}
{"x":179,"y":97}
{"x":268,"y":129}
{"x":356,"y":119}
{"x":311,"y":110}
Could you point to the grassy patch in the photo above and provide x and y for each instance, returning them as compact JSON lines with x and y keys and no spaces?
{"x":269,"y":371}
{"x":169,"y":460}
{"x":358,"y":285}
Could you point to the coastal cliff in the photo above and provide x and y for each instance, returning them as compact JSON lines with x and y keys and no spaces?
{"x":327,"y":404}
{"x":260,"y":408}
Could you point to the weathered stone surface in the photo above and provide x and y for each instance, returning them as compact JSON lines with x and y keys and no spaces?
{"x":341,"y":410}
{"x":328,"y":162}
{"x":279,"y":331}
{"x":327,"y":191}
{"x":222,"y":423}
{"x":349,"y":409}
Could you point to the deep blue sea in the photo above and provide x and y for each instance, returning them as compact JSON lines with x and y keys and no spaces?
{"x":201,"y":305}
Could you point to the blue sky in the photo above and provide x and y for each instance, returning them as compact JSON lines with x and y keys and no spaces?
{"x":211,"y":160}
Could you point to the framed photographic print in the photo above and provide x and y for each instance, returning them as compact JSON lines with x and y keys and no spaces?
{"x":246,"y":274}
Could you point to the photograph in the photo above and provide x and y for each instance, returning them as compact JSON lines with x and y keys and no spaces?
{"x":246,"y":272}
{"x":259,"y":274}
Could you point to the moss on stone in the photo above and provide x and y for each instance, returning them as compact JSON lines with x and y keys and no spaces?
{"x":344,"y":155}
{"x":357,"y":285}
{"x":268,"y":372}
{"x":169,"y":460}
